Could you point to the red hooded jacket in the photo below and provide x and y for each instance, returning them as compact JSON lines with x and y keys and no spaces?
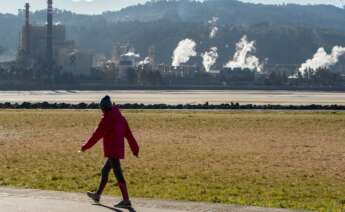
{"x":113,"y":128}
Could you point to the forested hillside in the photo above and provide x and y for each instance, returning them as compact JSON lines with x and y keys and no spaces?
{"x":287,"y":34}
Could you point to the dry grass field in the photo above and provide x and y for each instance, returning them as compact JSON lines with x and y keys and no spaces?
{"x":272,"y":159}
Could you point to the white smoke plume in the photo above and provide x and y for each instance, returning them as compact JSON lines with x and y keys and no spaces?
{"x":244,"y":58}
{"x":214,"y":27}
{"x":322,"y":59}
{"x":213,"y":32}
{"x":210,"y":58}
{"x":183,"y":52}
{"x":131,"y":54}
{"x":146,"y":61}
{"x":213,"y":20}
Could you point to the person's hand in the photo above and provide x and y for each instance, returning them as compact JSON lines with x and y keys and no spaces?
{"x":136,"y":154}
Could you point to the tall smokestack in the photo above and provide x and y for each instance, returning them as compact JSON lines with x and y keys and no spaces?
{"x":27,"y":14}
{"x":27,"y":44}
{"x":50,"y":33}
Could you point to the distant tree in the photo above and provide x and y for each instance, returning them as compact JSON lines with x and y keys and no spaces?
{"x":326,"y":77}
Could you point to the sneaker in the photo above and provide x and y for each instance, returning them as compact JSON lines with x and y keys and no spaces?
{"x":123,"y":204}
{"x":94,"y":196}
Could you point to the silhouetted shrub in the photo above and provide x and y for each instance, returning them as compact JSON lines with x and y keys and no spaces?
{"x":206,"y":106}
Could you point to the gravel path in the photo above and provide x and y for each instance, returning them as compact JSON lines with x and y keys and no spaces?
{"x":28,"y":200}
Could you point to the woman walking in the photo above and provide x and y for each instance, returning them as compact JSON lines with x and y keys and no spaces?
{"x":113,"y":128}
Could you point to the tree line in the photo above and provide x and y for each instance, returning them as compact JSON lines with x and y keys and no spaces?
{"x":205,"y":106}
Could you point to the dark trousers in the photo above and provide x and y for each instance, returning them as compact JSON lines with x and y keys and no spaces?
{"x":114,"y":164}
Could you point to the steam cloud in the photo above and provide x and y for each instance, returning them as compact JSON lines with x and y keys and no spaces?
{"x":215,"y":29}
{"x":213,"y":21}
{"x":131,"y":54}
{"x":243,"y":57}
{"x":322,"y":60}
{"x":183,"y":52}
{"x":210,"y":58}
{"x":213,"y":32}
{"x":146,"y":61}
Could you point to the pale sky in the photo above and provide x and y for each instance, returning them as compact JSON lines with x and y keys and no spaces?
{"x":98,"y":6}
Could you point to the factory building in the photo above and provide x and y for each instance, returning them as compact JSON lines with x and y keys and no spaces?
{"x":182,"y":71}
{"x":289,"y":69}
{"x":34,"y":46}
{"x":47,"y":45}
{"x":118,"y":50}
{"x":238,"y":75}
{"x":74,"y":61}
{"x":124,"y":60}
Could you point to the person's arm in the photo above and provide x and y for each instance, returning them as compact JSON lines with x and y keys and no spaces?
{"x":96,"y":136}
{"x":133,"y":144}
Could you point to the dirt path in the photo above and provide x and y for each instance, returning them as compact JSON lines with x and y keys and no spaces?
{"x":27,"y":200}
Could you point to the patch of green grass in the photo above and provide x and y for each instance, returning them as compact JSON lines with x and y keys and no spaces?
{"x":271,"y":159}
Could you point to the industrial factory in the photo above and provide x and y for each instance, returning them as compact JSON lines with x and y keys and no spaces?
{"x":46,"y":48}
{"x":46,"y":56}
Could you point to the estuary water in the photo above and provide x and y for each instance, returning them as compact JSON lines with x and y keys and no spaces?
{"x":178,"y":97}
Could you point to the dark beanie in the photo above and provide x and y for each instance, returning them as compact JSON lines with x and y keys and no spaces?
{"x":105,"y":103}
